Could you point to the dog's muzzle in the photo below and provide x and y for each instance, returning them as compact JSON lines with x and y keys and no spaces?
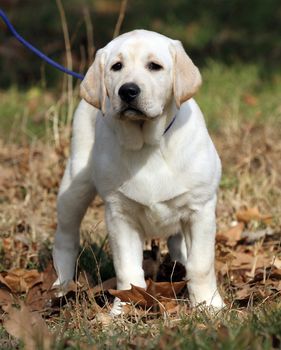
{"x":128,"y":93}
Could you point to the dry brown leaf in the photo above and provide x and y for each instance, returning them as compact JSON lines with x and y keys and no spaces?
{"x":241,"y":259}
{"x":247,"y":215}
{"x":4,"y":283}
{"x":39,"y":299}
{"x":221,"y":267}
{"x":29,"y":327}
{"x":44,"y":297}
{"x":233,"y":235}
{"x":156,"y":293}
{"x":21,"y":280}
{"x":41,"y":295}
{"x":135,"y":295}
{"x":49,"y":277}
{"x":247,"y":261}
{"x":6,"y":297}
{"x":165,"y":289}
{"x":170,"y":306}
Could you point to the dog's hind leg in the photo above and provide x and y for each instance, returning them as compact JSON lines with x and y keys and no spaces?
{"x":177,"y":248}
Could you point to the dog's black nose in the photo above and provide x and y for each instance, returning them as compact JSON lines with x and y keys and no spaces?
{"x":129,"y":91}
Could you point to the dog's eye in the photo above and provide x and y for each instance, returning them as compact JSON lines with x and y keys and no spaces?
{"x":154,"y":66}
{"x":117,"y":66}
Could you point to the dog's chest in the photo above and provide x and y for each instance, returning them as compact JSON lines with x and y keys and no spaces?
{"x":163,"y":219}
{"x":150,"y":178}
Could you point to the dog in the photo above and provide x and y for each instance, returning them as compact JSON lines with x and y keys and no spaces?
{"x":140,"y":142}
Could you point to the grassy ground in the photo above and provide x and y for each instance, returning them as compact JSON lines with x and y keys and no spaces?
{"x":243,"y":113}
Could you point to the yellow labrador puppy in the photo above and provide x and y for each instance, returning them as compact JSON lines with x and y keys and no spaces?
{"x":141,"y":143}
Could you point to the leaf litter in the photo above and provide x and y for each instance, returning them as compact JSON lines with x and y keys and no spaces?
{"x":251,"y":272}
{"x":247,"y":262}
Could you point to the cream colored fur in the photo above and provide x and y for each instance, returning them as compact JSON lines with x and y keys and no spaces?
{"x":154,"y":184}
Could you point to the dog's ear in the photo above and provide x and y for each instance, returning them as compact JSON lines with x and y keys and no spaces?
{"x":92,"y":88}
{"x":187,"y":78}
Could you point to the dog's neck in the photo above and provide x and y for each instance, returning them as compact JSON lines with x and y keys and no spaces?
{"x":134,"y":135}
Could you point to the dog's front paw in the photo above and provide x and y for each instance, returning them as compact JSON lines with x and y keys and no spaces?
{"x":212,"y":308}
{"x":117,"y":308}
{"x":211,"y":300}
{"x":215,"y":304}
{"x":61,"y":289}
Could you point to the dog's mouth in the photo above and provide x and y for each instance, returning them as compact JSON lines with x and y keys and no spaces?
{"x":132,"y":113}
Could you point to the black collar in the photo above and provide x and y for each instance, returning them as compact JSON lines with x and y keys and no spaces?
{"x":171,"y":123}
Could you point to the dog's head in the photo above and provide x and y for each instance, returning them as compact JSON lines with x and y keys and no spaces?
{"x":140,"y":72}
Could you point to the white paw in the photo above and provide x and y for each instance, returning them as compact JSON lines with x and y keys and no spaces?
{"x":214,"y":301}
{"x":213,"y":305}
{"x":61,"y":289}
{"x":117,"y":308}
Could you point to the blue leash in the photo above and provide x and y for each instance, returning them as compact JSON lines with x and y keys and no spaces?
{"x":47,"y":59}
{"x":36,"y":51}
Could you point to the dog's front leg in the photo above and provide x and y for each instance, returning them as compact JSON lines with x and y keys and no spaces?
{"x":200,"y":237}
{"x":127,"y":250}
{"x":76,"y":193}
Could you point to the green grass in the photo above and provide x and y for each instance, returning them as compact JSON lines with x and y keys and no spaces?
{"x":238,"y":93}
{"x":232,"y":93}
{"x":23,"y":112}
{"x":260,"y":329}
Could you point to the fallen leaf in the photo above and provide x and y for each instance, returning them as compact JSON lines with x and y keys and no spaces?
{"x":165,"y":289}
{"x":135,"y":295}
{"x":29,"y":327}
{"x":157,"y":293}
{"x":39,"y":299}
{"x":233,"y":235}
{"x":6,"y":297}
{"x":49,"y":277}
{"x":41,"y":296}
{"x":170,"y":307}
{"x":21,"y":280}
{"x":241,"y":259}
{"x":4,"y":282}
{"x":247,"y":261}
{"x":246,"y":215}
